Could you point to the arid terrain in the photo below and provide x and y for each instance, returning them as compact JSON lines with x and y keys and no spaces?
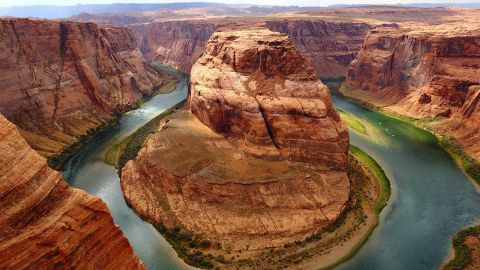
{"x":246,"y":167}
{"x":256,"y":170}
{"x":46,"y":223}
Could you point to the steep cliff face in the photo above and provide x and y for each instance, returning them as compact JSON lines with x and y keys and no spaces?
{"x":259,"y":160}
{"x":427,"y":74}
{"x":178,"y":43}
{"x":256,"y":86}
{"x":45,"y":223}
{"x":60,"y":79}
{"x":329,"y":46}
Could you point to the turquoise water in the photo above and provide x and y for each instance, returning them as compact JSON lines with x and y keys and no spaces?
{"x":87,"y":170}
{"x":432,"y":198}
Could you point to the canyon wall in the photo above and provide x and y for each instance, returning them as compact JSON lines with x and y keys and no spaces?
{"x":432,"y":74}
{"x":260,"y":158}
{"x":178,"y":43}
{"x":61,"y":79}
{"x":45,"y":223}
{"x":329,"y":46}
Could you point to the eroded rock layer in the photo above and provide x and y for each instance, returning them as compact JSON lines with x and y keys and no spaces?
{"x":60,"y":79}
{"x":256,"y":86}
{"x":259,"y":160}
{"x":178,"y":43}
{"x":329,"y":46}
{"x":45,"y":223}
{"x":433,"y":73}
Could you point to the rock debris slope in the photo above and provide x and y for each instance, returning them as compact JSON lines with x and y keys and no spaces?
{"x":45,"y":223}
{"x":258,"y":161}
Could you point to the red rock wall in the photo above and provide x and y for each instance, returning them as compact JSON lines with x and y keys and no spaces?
{"x":60,"y":79}
{"x":431,"y":75}
{"x":178,"y":43}
{"x":45,"y":223}
{"x":330,"y":47}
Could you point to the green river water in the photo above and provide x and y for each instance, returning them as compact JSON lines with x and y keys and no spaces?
{"x":431,"y":198}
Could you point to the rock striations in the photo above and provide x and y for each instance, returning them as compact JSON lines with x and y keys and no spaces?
{"x":256,"y":86}
{"x":45,"y":223}
{"x":178,"y":43}
{"x":258,"y":161}
{"x":330,"y":46}
{"x":60,"y":79}
{"x":432,"y":73}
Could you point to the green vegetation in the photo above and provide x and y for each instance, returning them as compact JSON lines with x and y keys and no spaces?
{"x":379,"y":174}
{"x":469,"y":164}
{"x":120,"y":153}
{"x":58,"y":161}
{"x":333,"y":83}
{"x":339,"y":78}
{"x":463,"y":255}
{"x":352,"y":122}
{"x":191,"y":247}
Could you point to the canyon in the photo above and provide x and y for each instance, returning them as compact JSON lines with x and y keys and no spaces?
{"x":246,"y":167}
{"x":431,"y":74}
{"x":61,"y":80}
{"x":47,"y":221}
{"x":330,"y":46}
{"x":258,"y":160}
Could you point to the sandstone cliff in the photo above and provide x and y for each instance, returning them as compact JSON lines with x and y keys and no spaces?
{"x":60,"y":79}
{"x":178,"y":43}
{"x":329,"y":46}
{"x":258,"y":87}
{"x":260,"y":159}
{"x":45,"y":223}
{"x":432,"y":73}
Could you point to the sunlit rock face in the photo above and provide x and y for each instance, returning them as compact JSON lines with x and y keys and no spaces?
{"x":61,"y":79}
{"x":429,"y":73}
{"x":254,"y":85}
{"x":258,"y":160}
{"x":45,"y":223}
{"x":329,"y":46}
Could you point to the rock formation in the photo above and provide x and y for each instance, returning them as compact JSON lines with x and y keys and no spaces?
{"x":259,"y":160}
{"x":60,"y":79}
{"x":178,"y":43}
{"x":329,"y":46}
{"x":45,"y":223}
{"x":432,"y":73}
{"x":256,"y":86}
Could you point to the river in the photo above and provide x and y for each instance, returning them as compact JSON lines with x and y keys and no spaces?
{"x":431,"y":198}
{"x":88,"y":171}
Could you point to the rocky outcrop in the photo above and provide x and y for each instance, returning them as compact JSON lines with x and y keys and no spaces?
{"x":259,"y":160}
{"x":45,"y":223}
{"x":61,"y":79}
{"x":329,"y":46}
{"x":256,"y":86}
{"x":431,"y":73}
